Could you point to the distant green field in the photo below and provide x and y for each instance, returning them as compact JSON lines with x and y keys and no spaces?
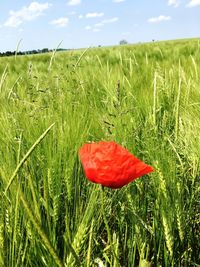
{"x":145,"y":97}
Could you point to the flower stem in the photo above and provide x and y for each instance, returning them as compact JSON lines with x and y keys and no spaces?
{"x":106,"y":223}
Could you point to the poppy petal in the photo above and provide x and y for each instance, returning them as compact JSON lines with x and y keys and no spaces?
{"x":111,"y":165}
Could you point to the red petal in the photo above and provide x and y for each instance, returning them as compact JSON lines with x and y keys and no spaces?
{"x":110,"y":164}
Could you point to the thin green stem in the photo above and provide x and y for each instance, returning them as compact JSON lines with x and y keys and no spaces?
{"x":26,"y":157}
{"x":106,"y":223}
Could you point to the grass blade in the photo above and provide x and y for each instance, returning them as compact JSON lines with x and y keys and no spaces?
{"x":26,"y":157}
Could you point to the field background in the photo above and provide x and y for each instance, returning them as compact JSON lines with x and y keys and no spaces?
{"x":145,"y":97}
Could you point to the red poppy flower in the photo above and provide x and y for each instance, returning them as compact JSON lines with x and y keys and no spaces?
{"x":111,"y":165}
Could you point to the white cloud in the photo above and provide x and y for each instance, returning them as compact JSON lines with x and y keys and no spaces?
{"x":174,"y":3}
{"x":114,"y":19}
{"x":74,"y":2}
{"x":26,"y":13}
{"x":118,"y":1}
{"x":94,"y":15}
{"x":99,"y":25}
{"x":106,"y":21}
{"x":61,"y":22}
{"x":80,"y":16}
{"x":159,"y":19}
{"x":88,"y":28}
{"x":96,"y":27}
{"x":92,"y":28}
{"x":193,"y":3}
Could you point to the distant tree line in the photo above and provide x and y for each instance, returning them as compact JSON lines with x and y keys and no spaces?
{"x":30,"y":52}
{"x":123,"y":42}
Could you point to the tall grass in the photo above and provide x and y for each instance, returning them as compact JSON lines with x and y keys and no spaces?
{"x":145,"y":97}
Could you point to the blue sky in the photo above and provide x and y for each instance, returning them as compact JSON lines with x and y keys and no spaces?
{"x":83,"y":23}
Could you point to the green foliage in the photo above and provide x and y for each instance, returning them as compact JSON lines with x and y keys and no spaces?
{"x":145,"y":97}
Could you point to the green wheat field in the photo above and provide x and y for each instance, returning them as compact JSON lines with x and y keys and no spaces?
{"x":145,"y":97}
